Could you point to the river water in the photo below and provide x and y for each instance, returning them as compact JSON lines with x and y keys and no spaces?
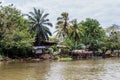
{"x":102,"y":69}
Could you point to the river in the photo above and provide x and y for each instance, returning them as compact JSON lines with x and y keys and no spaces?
{"x":102,"y":69}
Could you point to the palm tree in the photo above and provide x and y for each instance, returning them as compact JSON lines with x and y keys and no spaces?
{"x":39,"y":23}
{"x":62,"y":25}
{"x":75,"y":34}
{"x":75,"y":31}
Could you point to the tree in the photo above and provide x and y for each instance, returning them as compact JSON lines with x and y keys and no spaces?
{"x":62,"y":25}
{"x":113,"y":34}
{"x":72,"y":44}
{"x":9,"y":17}
{"x":93,"y":33}
{"x":39,"y":23}
{"x":75,"y":32}
{"x":14,"y":35}
{"x":112,"y":29}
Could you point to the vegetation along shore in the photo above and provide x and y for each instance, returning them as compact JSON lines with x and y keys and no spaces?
{"x":28,"y":37}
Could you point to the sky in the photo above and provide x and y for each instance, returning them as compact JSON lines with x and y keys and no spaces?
{"x":107,"y":12}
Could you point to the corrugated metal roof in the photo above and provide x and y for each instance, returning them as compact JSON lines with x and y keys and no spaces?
{"x":39,"y":47}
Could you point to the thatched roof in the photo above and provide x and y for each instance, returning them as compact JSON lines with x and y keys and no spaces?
{"x":81,"y":52}
{"x":62,"y":46}
{"x":108,"y":52}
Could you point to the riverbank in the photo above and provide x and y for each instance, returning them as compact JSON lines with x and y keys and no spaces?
{"x":34,"y":59}
{"x":49,"y":57}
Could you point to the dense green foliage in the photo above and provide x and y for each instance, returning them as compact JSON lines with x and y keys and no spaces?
{"x":89,"y":34}
{"x":17,"y":34}
{"x":14,"y":35}
{"x":94,"y":33}
{"x":113,"y":37}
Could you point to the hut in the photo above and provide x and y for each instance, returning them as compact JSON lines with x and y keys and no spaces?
{"x":39,"y":49}
{"x":115,"y":53}
{"x":81,"y":54}
{"x":63,"y":50}
{"x":60,"y":47}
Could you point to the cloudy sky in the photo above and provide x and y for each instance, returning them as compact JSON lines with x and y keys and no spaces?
{"x":107,"y":12}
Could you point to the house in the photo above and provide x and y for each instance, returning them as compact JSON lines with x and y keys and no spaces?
{"x":60,"y":47}
{"x":81,"y":54}
{"x":115,"y":53}
{"x":39,"y":49}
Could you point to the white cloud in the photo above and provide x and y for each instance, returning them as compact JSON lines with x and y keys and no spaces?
{"x":106,"y":12}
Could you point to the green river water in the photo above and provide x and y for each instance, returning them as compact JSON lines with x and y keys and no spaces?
{"x":102,"y":69}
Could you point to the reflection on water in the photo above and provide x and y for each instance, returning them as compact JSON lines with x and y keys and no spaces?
{"x":104,"y":69}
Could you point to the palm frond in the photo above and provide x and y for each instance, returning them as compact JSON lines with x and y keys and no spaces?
{"x":39,"y":24}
